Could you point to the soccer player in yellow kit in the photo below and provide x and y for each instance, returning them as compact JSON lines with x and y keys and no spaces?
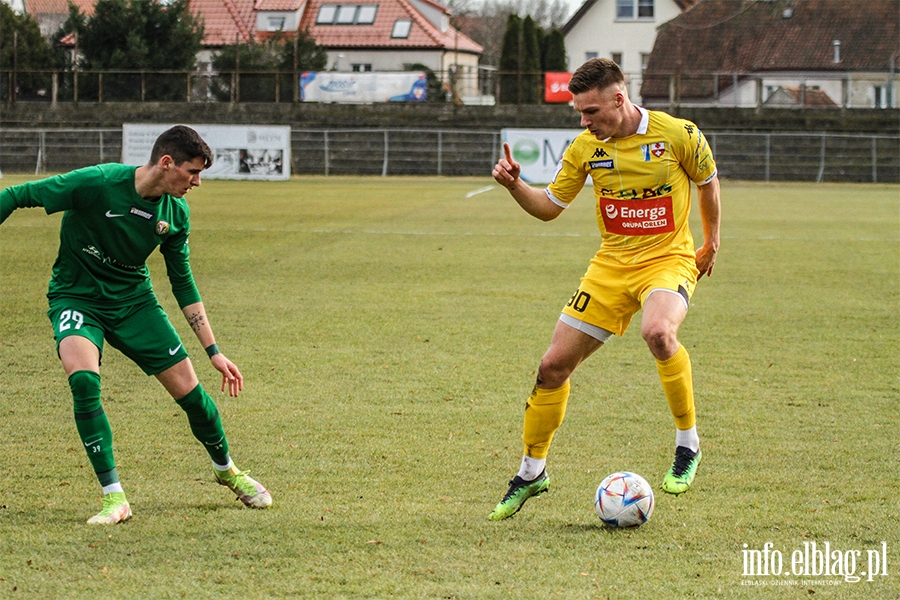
{"x":642,"y":164}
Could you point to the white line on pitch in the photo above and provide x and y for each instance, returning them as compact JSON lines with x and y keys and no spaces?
{"x":480,"y":191}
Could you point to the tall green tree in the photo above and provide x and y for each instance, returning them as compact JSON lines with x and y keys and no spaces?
{"x":22,"y":46}
{"x":553,"y":55}
{"x":531,"y":63}
{"x":510,"y":61}
{"x":141,"y":34}
{"x":137,"y":35}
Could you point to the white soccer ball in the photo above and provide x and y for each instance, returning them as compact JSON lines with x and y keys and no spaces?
{"x":624,"y":500}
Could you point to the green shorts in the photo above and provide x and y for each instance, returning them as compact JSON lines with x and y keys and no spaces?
{"x":142,"y":331}
{"x":611,"y":293}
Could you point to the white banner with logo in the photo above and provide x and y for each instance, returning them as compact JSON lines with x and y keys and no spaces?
{"x":239,"y":151}
{"x":539,"y":151}
{"x":358,"y":88}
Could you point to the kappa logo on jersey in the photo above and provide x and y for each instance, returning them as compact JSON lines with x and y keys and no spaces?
{"x":638,"y":217}
{"x":162,"y":228}
{"x":601,"y":164}
{"x":140,"y":213}
{"x":599,"y":153}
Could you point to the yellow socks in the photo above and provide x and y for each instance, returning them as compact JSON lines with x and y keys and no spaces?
{"x":678,"y":384}
{"x":544,"y":412}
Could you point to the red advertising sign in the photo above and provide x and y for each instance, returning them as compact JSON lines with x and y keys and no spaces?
{"x":556,"y":87}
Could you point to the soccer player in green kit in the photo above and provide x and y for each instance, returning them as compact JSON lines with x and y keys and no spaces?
{"x":115,"y":216}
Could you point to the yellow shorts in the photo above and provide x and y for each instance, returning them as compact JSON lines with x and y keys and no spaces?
{"x":611,"y":293}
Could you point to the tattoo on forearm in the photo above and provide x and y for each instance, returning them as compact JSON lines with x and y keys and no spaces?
{"x":196,"y":321}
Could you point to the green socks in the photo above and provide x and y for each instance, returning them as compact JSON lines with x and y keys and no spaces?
{"x":206,"y":424}
{"x":93,"y":426}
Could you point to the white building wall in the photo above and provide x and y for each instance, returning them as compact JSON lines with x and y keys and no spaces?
{"x":600,"y":33}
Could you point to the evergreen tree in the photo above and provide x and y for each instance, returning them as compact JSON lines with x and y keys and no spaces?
{"x":532,"y":80}
{"x":136,"y":35}
{"x":21,"y":43}
{"x":553,"y":58}
{"x":509,"y":64}
{"x":141,"y":34}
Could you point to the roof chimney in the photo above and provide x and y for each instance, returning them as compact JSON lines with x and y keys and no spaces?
{"x":837,"y":50}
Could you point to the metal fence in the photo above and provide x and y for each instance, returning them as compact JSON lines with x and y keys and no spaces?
{"x":748,"y":156}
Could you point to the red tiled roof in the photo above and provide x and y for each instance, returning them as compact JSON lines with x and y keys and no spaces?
{"x":779,"y":35}
{"x":422,"y":33}
{"x":280,"y":5}
{"x":58,"y":7}
{"x":225,"y":21}
{"x":810,"y":97}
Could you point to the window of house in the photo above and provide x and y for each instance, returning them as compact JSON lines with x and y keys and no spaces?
{"x":366,"y":14}
{"x":634,"y":9}
{"x":590,"y":55}
{"x":346,"y":14}
{"x":326,"y":14}
{"x":361,"y":67}
{"x":880,"y":96}
{"x":617,"y":58}
{"x":645,"y":60}
{"x":401,"y":28}
{"x":275,"y":24}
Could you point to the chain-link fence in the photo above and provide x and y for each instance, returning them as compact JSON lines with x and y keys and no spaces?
{"x":749,"y":156}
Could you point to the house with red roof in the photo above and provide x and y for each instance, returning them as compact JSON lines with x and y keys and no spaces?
{"x":803,"y":53}
{"x":363,"y":36}
{"x":51,"y":14}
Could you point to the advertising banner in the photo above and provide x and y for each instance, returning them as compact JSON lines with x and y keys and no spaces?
{"x":239,"y":151}
{"x":556,"y":87}
{"x":361,"y":88}
{"x":538,"y":151}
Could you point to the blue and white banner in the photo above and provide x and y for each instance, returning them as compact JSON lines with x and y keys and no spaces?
{"x":539,"y":151}
{"x":362,"y":88}
{"x":239,"y":151}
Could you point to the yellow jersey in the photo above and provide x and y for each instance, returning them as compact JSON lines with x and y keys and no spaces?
{"x":642,"y":184}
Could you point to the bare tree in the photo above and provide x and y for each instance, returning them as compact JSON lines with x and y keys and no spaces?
{"x":485,"y":20}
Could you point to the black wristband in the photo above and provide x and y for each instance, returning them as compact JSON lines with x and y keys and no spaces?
{"x":212,"y":350}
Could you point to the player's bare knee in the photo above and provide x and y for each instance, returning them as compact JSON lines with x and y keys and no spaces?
{"x":661,"y":341}
{"x":551,"y":374}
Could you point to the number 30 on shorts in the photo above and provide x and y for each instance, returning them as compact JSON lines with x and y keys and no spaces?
{"x":579,"y":300}
{"x":68,"y":318}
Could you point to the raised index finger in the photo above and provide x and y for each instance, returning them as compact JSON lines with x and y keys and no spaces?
{"x":507,"y":152}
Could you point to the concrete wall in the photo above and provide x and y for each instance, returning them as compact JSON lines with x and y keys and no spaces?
{"x":426,"y":116}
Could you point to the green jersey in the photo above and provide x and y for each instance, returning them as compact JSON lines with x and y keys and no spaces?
{"x":107,"y":233}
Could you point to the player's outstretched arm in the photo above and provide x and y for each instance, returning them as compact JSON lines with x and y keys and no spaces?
{"x":231,"y":376}
{"x":534,"y":201}
{"x":708,"y":197}
{"x":16,"y":197}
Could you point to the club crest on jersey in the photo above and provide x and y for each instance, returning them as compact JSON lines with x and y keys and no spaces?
{"x":656,"y":149}
{"x":162,"y":228}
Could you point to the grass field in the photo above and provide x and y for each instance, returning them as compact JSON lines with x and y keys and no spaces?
{"x":389,"y":330}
